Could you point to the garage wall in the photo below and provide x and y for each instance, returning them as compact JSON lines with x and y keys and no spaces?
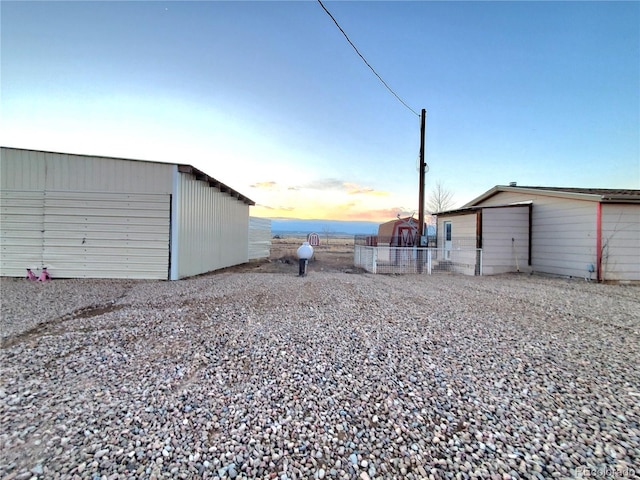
{"x":21,"y":232}
{"x":505,"y":239}
{"x":212,"y":228}
{"x":620,"y":242}
{"x":259,"y":238}
{"x":86,"y":216}
{"x":563,"y":232}
{"x":83,"y":216}
{"x":85,"y":234}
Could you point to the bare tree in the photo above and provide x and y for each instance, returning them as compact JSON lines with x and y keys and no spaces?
{"x":326,"y":230}
{"x":440,"y":200}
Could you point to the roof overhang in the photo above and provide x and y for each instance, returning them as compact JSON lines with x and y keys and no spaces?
{"x":203,"y":177}
{"x":594,"y":196}
{"x":618,"y":199}
{"x":475,"y":208}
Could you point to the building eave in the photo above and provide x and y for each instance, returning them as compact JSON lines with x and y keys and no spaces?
{"x":201,"y":176}
{"x":551,"y":192}
{"x":475,"y":208}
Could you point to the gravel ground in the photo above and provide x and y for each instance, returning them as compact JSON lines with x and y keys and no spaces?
{"x":335,"y":375}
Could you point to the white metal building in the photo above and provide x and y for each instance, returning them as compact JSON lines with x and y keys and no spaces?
{"x":578,"y":232}
{"x":259,"y":238}
{"x":86,"y":216}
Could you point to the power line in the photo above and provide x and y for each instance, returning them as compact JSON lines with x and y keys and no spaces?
{"x":365,"y":60}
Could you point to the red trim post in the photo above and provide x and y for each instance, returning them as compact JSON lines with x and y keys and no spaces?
{"x":599,"y":241}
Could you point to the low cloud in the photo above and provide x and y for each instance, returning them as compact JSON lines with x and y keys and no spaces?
{"x":265,"y":185}
{"x":336,"y":184}
{"x":350,"y":188}
{"x":380,"y":215}
{"x":278,"y":208}
{"x":355,"y":189}
{"x":325,"y":184}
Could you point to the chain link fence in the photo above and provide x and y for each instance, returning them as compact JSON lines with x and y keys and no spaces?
{"x":399,"y":260}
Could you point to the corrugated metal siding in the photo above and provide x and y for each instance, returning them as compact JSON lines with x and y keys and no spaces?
{"x":87,"y":234}
{"x":212,"y":228}
{"x":499,"y":253}
{"x":621,"y":242}
{"x":563,"y":232}
{"x":21,"y":232}
{"x":84,"y":216}
{"x":259,"y":238}
{"x":22,"y":170}
{"x":34,"y":170}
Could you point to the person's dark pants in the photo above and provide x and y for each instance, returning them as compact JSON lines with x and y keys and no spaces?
{"x":302,"y":264}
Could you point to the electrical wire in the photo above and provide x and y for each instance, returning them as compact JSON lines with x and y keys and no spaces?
{"x":365,"y":60}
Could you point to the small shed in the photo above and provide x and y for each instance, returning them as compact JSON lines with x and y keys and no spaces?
{"x":313,"y":239}
{"x":401,"y":232}
{"x":85,"y":216}
{"x":575,"y":232}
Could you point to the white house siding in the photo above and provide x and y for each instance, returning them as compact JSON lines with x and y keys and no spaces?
{"x":212,"y":228}
{"x":620,"y":242}
{"x":463,"y":238}
{"x":259,"y":238}
{"x":505,"y":240}
{"x":463,"y":230}
{"x":98,"y":217}
{"x":563,"y":232}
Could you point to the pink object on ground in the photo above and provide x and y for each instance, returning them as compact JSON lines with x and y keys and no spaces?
{"x":30,"y":275}
{"x":44,"y":275}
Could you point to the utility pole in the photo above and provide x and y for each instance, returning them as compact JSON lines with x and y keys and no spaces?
{"x":423,"y":167}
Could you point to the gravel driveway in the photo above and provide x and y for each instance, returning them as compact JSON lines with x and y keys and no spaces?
{"x":335,"y":375}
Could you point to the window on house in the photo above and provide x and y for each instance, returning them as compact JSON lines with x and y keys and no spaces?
{"x":447,"y":231}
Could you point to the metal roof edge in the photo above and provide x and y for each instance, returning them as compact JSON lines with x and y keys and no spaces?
{"x":488,"y":194}
{"x":594,"y":197}
{"x":619,"y":199}
{"x":551,"y":192}
{"x":88,"y":155}
{"x":475,"y":208}
{"x":201,"y":176}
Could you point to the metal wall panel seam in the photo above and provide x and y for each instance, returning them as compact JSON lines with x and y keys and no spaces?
{"x":174,"y":226}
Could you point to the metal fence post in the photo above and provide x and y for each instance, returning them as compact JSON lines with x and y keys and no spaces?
{"x":374,"y":259}
{"x":429,"y":261}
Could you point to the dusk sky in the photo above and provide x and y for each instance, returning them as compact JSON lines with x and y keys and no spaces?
{"x":269,"y":98}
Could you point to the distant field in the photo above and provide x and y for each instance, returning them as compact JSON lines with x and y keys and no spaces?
{"x":333,"y":253}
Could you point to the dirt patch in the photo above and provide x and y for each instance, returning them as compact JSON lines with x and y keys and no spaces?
{"x":49,"y":327}
{"x":333,"y":254}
